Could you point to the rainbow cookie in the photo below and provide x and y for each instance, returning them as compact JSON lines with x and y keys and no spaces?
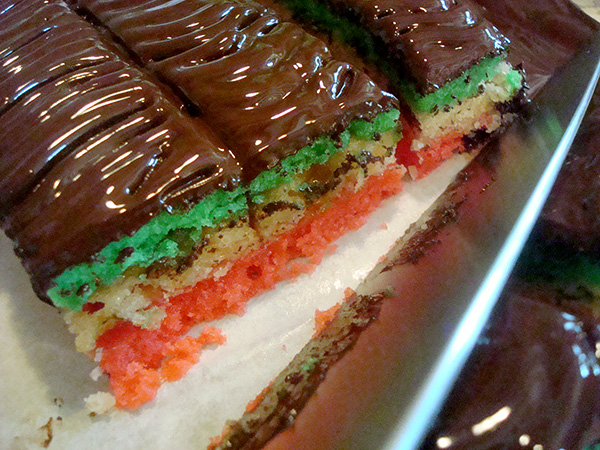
{"x":150,"y":191}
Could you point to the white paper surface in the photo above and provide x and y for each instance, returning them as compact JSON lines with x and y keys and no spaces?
{"x":42,"y":377}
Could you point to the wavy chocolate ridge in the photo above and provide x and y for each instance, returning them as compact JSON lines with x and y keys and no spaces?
{"x":429,"y":42}
{"x":276,"y":88}
{"x":92,"y":147}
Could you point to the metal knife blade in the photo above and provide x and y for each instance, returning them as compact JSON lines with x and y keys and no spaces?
{"x":482,"y":225}
{"x":441,"y":281}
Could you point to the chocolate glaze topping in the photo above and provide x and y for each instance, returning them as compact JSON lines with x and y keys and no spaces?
{"x":433,"y":41}
{"x":267,"y":86}
{"x":87,"y":133}
{"x":543,"y":34}
{"x":91,"y":148}
{"x":534,"y":380}
{"x":27,"y":68}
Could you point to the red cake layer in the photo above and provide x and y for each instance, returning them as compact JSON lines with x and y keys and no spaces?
{"x":423,"y":162}
{"x":138,"y":360}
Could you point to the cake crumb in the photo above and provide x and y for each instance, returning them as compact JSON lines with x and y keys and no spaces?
{"x":413,"y":172}
{"x":255,"y":403}
{"x":323,"y":318}
{"x":100,"y":403}
{"x":39,"y":437}
{"x":96,"y":373}
{"x":47,"y":428}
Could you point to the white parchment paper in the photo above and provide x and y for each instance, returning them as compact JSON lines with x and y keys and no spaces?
{"x":44,"y":381}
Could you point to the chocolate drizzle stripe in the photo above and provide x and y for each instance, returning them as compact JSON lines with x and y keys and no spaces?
{"x":30,"y":40}
{"x":41,"y":64}
{"x":121,"y":101}
{"x":128,"y":129}
{"x":33,"y":86}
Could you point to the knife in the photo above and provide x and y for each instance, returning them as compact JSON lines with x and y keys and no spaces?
{"x":434,"y":291}
{"x":459,"y":257}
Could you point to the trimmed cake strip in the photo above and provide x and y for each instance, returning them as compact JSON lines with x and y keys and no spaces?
{"x":443,"y":58}
{"x":269,"y":106}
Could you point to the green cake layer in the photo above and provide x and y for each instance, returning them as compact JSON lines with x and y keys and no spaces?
{"x":354,"y":35}
{"x":160,"y":238}
{"x":465,"y":86}
{"x":320,"y":151}
{"x":173,"y":235}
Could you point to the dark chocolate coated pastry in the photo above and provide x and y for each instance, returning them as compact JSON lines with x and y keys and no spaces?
{"x":268,"y":87}
{"x":91,"y":147}
{"x":433,"y":41}
{"x":61,"y":47}
{"x":543,"y":34}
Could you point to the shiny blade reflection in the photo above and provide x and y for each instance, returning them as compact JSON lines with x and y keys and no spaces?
{"x":485,"y":241}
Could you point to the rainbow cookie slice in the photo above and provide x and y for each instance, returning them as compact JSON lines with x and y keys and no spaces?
{"x":151,"y":190}
{"x":165,"y":162}
{"x":442,"y":57}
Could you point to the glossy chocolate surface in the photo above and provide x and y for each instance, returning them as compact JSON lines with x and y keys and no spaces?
{"x":544,"y":34}
{"x":267,"y":86}
{"x":86,"y":134}
{"x":91,"y":147}
{"x":434,"y":41}
{"x":534,"y":382}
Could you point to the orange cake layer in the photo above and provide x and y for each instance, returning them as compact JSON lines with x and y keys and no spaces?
{"x":138,"y":360}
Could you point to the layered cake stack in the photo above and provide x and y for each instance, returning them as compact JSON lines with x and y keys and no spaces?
{"x":163,"y":163}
